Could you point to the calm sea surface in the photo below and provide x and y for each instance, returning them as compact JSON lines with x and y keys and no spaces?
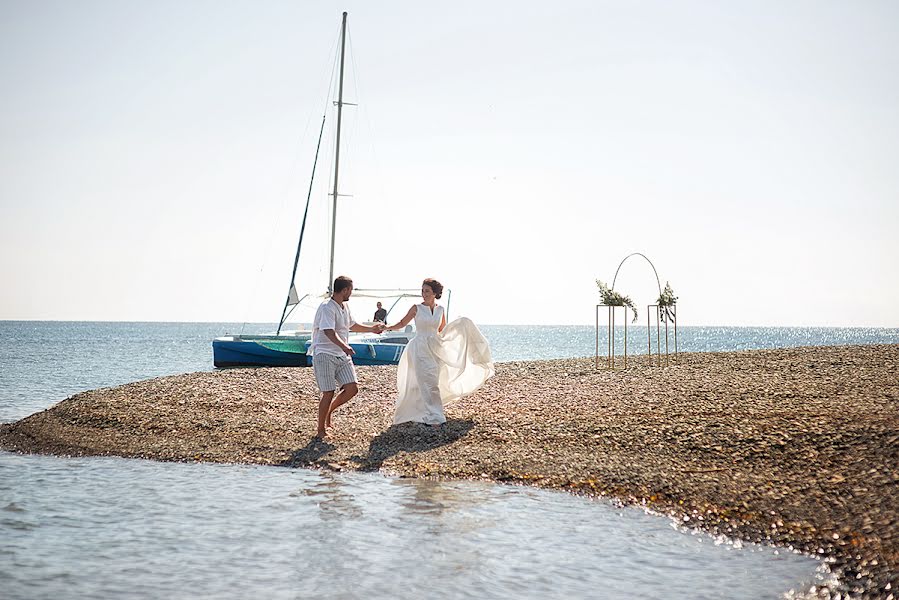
{"x":110,"y":527}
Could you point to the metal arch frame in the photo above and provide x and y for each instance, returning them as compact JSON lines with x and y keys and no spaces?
{"x":610,"y":360}
{"x":658,"y":282}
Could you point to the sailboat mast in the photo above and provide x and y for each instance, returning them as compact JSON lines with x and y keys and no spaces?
{"x":337,"y":154}
{"x":291,"y":291}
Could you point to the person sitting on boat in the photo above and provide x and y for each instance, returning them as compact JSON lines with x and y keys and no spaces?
{"x":380,"y":314}
{"x":332,"y":356}
{"x":442,"y":363}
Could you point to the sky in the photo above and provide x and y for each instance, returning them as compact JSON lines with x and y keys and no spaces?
{"x":155,"y":157}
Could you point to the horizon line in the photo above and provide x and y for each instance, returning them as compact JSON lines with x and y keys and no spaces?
{"x":4,"y":320}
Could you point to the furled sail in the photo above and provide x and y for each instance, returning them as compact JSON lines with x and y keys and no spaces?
{"x":292,"y":297}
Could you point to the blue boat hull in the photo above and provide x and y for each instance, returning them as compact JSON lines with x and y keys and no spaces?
{"x":288,"y":352}
{"x":377,"y":354}
{"x":371,"y":354}
{"x":249,"y":353}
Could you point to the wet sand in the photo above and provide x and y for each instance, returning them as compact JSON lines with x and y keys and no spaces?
{"x":798,"y":447}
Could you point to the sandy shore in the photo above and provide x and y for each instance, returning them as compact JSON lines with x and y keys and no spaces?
{"x":798,"y":447}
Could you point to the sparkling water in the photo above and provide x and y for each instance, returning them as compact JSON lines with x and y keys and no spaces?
{"x":120,"y":528}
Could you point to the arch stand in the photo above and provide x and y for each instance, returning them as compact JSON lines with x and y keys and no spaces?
{"x":673,"y":319}
{"x":610,"y":342}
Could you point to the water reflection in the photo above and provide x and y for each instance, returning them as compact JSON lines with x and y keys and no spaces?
{"x":104,"y":527}
{"x":431,"y":497}
{"x":334,"y":499}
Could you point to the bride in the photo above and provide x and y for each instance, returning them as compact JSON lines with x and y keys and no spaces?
{"x":442,"y":363}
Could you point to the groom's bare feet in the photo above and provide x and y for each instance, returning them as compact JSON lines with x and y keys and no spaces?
{"x":322,"y":435}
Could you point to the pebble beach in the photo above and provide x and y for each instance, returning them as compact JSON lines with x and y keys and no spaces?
{"x":796,"y":447}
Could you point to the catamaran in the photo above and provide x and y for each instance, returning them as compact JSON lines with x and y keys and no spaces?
{"x":291,"y":348}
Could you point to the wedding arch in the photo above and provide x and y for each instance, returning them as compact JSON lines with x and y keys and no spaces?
{"x":665,"y":311}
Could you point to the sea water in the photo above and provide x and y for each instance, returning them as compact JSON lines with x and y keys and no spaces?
{"x":112,"y":527}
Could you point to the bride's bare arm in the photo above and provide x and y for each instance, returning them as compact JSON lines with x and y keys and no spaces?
{"x":404,"y":321}
{"x":442,"y":322}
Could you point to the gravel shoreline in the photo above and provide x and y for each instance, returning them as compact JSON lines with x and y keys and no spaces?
{"x":797,"y":447}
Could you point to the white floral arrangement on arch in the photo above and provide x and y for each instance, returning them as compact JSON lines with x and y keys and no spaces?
{"x":612,"y":298}
{"x":665,"y":302}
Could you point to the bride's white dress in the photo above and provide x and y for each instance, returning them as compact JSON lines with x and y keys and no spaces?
{"x":437,"y":368}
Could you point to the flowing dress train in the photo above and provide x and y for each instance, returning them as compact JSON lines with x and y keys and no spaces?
{"x":437,"y":368}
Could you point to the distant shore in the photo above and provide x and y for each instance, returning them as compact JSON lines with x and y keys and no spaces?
{"x":798,"y":447}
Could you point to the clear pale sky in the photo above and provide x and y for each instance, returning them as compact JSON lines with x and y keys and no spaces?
{"x":154,"y":157}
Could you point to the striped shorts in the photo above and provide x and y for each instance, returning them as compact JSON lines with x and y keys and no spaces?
{"x":330,"y":369}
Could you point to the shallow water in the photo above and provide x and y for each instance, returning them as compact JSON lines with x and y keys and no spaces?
{"x":112,"y":527}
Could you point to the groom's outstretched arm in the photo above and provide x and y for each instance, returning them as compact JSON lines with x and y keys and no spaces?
{"x":360,"y":328}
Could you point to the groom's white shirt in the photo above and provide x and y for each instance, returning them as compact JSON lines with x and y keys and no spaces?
{"x":330,"y":315}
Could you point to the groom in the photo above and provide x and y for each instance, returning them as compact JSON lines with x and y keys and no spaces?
{"x":332,"y":356}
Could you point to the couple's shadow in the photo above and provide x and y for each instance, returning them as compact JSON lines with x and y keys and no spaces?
{"x":411,"y":437}
{"x":405,"y":437}
{"x":309,"y":455}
